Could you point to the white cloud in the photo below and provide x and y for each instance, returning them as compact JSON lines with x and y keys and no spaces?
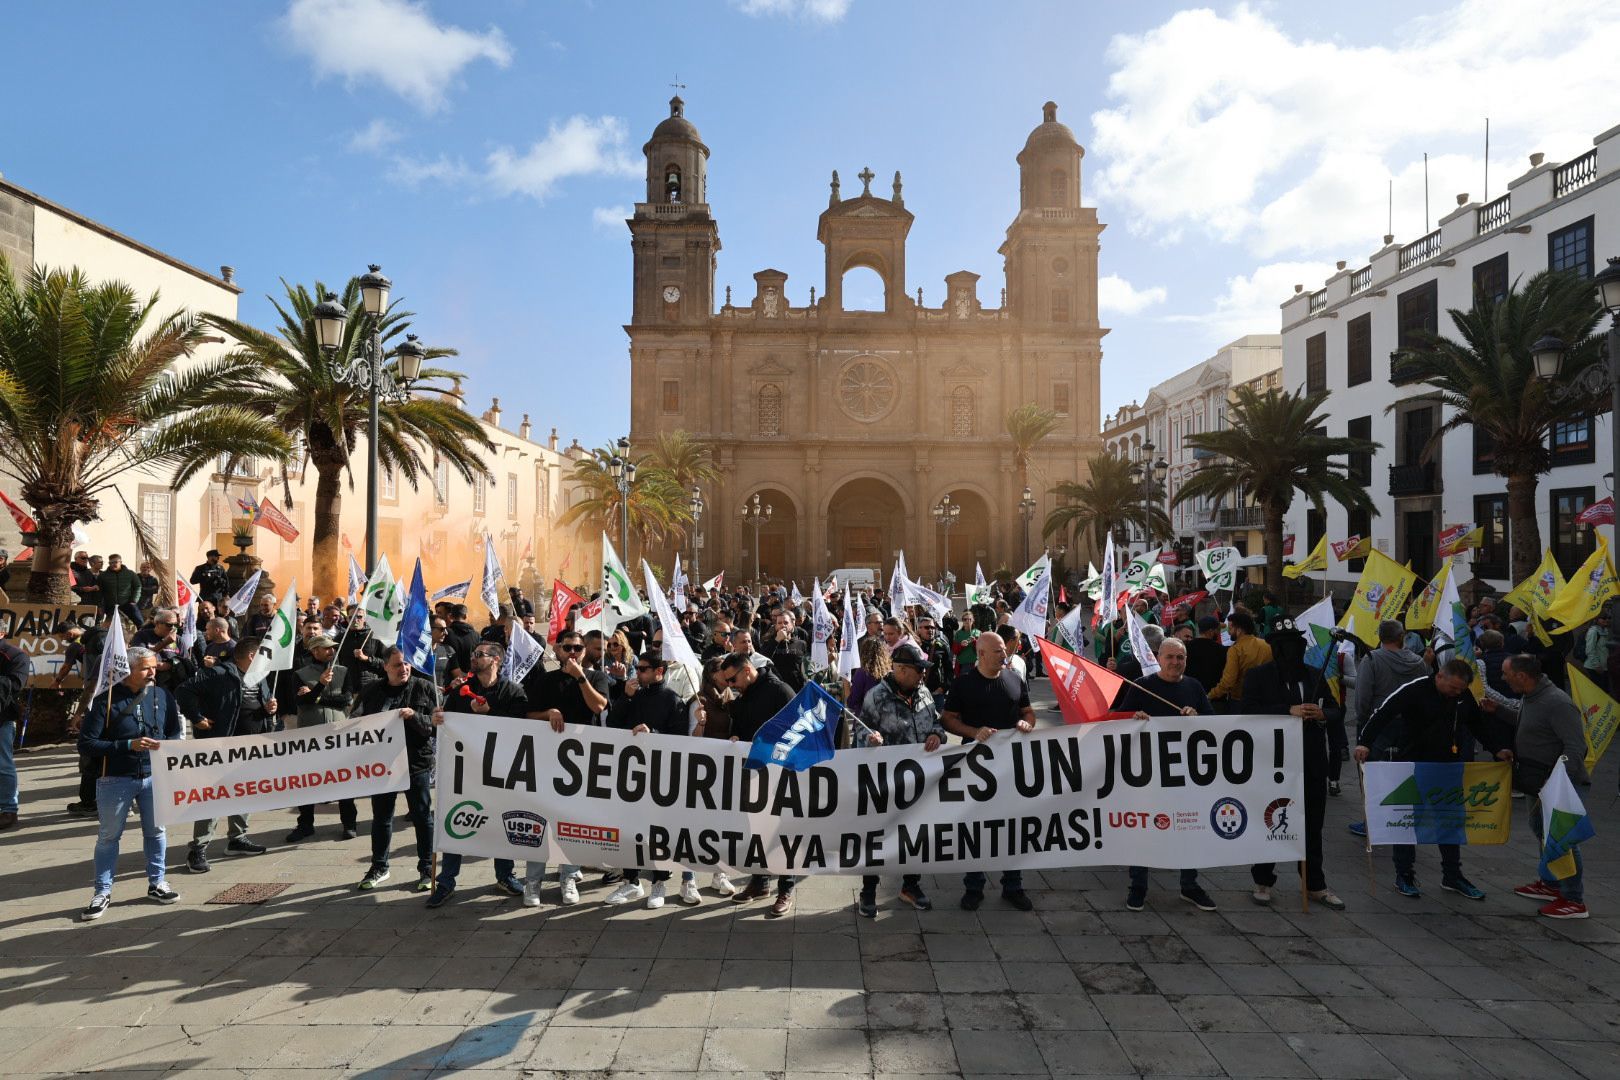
{"x":1120,"y":297}
{"x":374,"y":138}
{"x":1226,"y":124}
{"x":580,"y":146}
{"x":1250,"y":303}
{"x":822,"y":11}
{"x":414,"y":172}
{"x":393,"y":42}
{"x":610,"y":217}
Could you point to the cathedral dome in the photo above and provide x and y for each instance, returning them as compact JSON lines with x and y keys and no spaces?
{"x":1049,"y":131}
{"x":677,"y":126}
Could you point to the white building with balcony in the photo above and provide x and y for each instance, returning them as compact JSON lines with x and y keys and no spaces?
{"x":1559,"y":215}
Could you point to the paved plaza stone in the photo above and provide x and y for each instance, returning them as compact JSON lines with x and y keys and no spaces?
{"x":326,"y":981}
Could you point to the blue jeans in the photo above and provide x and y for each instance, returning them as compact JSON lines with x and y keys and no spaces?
{"x":1405,"y":856}
{"x":1012,"y":881}
{"x":9,"y":790}
{"x":419,"y":804}
{"x":534,"y":873}
{"x":1571,"y":887}
{"x":450,"y":867}
{"x":114,"y":795}
{"x":1139,"y":878}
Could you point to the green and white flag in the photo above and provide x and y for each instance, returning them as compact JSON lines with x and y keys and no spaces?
{"x":979,"y":591}
{"x":383,"y":603}
{"x":620,"y":601}
{"x":1137,"y":571}
{"x":276,"y":647}
{"x":1563,"y":824}
{"x":1220,"y":567}
{"x":1028,"y":579}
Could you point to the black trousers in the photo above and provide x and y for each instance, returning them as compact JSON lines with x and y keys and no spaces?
{"x":89,"y":771}
{"x":346,"y":814}
{"x":1316,"y":774}
{"x":869,"y":883}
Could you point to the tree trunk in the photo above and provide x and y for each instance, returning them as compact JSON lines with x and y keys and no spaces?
{"x":49,"y":576}
{"x":329,"y":567}
{"x":1525,"y":538}
{"x":1274,"y":549}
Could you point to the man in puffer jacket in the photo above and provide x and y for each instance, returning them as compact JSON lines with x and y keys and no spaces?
{"x":900,"y":712}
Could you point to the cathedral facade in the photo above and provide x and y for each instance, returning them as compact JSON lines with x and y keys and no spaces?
{"x":852,"y":425}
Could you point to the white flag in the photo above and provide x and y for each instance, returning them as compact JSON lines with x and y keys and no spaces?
{"x":1154,"y":579}
{"x":276,"y":647}
{"x":848,"y":654}
{"x":1027,"y":580}
{"x":522,"y":653}
{"x":384,"y":604}
{"x":1109,"y":597}
{"x":1136,"y":573}
{"x":685,"y":673}
{"x":921,"y":595}
{"x":114,"y":665}
{"x":239,"y":603}
{"x":1442,"y":611}
{"x":1220,"y":567}
{"x":620,"y":601}
{"x":715,"y":582}
{"x":492,"y":578}
{"x":677,"y":586}
{"x":897,"y":585}
{"x":980,"y":591}
{"x":1139,"y":645}
{"x":820,"y":630}
{"x":860,"y":614}
{"x":357,"y":579}
{"x":796,"y":598}
{"x":1072,"y":628}
{"x":1030,"y":617}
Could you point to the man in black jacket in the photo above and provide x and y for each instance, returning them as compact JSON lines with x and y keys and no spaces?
{"x":485,"y":693}
{"x":1425,"y":720}
{"x":760,"y":696}
{"x":462,"y":637}
{"x":362,"y":654}
{"x":210,"y":579}
{"x":219,"y":703}
{"x":787,"y":650}
{"x":121,"y":730}
{"x":1286,"y":687}
{"x":15,"y":670}
{"x":414,"y":696}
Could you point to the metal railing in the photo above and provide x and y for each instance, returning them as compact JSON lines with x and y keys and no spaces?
{"x":1573,"y":175}
{"x":1361,"y":279}
{"x":1240,"y":517}
{"x":1414,"y":480}
{"x":1318,"y":300}
{"x":1493,"y":215}
{"x":1420,"y":250}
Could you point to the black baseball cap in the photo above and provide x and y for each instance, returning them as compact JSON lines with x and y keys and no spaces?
{"x":909,"y":655}
{"x":210,"y":553}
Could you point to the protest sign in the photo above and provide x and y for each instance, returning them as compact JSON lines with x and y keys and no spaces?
{"x":243,"y":774}
{"x":39,"y":630}
{"x":1174,"y":792}
{"x":1438,"y":802}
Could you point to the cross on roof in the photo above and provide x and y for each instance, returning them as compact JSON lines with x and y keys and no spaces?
{"x":865,"y":176}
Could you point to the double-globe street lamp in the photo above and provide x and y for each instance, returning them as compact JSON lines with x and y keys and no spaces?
{"x":1548,"y":356}
{"x":1149,"y":473}
{"x":623,"y":471}
{"x":696,"y":506}
{"x":947,"y":515}
{"x":1026,"y":510}
{"x":366,"y":371}
{"x":756,"y":515}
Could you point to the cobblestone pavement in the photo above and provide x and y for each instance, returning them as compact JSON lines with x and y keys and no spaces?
{"x":325,"y":981}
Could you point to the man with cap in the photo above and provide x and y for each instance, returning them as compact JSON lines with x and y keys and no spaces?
{"x":209,"y":577}
{"x":1206,"y":656}
{"x":1287,"y":687}
{"x":318,"y":690}
{"x":900,"y":711}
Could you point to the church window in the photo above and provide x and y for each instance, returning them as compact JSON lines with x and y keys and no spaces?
{"x":770,"y":409}
{"x":961,"y":412}
{"x":672,"y":183}
{"x":1060,"y":398}
{"x":1058,"y":187}
{"x":1060,"y":305}
{"x":672,"y":395}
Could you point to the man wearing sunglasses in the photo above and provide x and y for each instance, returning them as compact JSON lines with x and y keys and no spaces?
{"x":573,"y":693}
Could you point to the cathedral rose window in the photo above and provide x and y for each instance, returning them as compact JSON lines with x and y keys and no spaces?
{"x":866,"y":389}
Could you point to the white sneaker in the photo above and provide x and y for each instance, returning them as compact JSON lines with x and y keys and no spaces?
{"x":570,"y":889}
{"x":655,"y":899}
{"x":626,"y":892}
{"x":721,"y":883}
{"x":1261,"y":894}
{"x":689,"y":893}
{"x":577,"y":875}
{"x":531,"y":894}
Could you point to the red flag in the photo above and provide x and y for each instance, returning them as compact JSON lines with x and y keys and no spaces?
{"x":270,"y":516}
{"x":1187,"y":601}
{"x":1063,"y":595}
{"x":182,"y":592}
{"x":1085,"y":691}
{"x":23,"y":556}
{"x":26,"y":523}
{"x":346,"y":545}
{"x":1288,"y":545}
{"x":1599,"y":513}
{"x":562,"y":599}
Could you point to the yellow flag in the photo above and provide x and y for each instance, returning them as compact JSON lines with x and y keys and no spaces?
{"x":1599,"y":713}
{"x":1383,"y":590}
{"x":1534,"y":594}
{"x":1316,"y":560}
{"x":1586,"y":592}
{"x":1420,"y":616}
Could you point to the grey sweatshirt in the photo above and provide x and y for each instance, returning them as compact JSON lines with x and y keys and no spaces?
{"x":1550,"y":727}
{"x":1380,"y":674}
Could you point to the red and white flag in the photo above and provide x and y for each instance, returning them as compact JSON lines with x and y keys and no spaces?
{"x":269,"y":515}
{"x":1085,"y":691}
{"x":19,"y":515}
{"x":562,"y":599}
{"x":1599,"y":513}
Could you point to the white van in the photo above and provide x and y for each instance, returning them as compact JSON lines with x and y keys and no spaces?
{"x":860,"y":577}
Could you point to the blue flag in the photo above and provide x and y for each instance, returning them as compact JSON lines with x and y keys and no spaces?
{"x":416,"y":626}
{"x":799,"y":736}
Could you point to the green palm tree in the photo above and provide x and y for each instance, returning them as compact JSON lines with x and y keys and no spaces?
{"x":1274,"y":448}
{"x":1027,"y":425}
{"x":1487,"y":378}
{"x":686,"y":459}
{"x":1110,"y":497}
{"x":297,"y":390}
{"x":658,"y":506}
{"x":90,"y":388}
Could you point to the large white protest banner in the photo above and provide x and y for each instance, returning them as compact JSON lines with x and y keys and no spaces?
{"x":243,"y":774}
{"x":1177,"y":792}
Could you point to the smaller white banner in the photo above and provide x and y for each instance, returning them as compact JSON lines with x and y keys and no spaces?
{"x":194,"y":779}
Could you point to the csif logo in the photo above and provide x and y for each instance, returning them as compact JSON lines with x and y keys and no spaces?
{"x":465,"y":819}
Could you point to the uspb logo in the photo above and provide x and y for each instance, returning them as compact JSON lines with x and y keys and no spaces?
{"x":465,"y":819}
{"x":523,"y":828}
{"x":1228,"y":818}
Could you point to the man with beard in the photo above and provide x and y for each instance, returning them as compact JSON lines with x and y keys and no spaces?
{"x":1286,"y":687}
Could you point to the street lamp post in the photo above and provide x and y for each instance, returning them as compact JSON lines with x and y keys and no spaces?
{"x":365,"y":370}
{"x":1149,"y":472}
{"x":1548,"y":356}
{"x":1026,"y":510}
{"x":946,"y":515}
{"x":696,"y":506}
{"x":756,"y":515}
{"x":623,"y":471}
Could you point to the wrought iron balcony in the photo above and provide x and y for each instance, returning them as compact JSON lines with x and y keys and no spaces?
{"x":1240,"y":517}
{"x":1414,"y":480}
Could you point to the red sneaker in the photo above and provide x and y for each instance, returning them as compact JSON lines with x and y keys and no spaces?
{"x":1538,"y":890}
{"x":1564,"y":909}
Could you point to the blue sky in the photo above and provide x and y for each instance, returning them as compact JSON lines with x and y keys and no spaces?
{"x":485,"y":153}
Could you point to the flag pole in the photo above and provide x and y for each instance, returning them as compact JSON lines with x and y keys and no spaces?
{"x":1366,"y":819}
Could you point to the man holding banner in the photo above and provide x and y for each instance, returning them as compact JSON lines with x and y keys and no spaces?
{"x":123,"y":727}
{"x":413,"y":695}
{"x":899,"y":711}
{"x":220,"y":703}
